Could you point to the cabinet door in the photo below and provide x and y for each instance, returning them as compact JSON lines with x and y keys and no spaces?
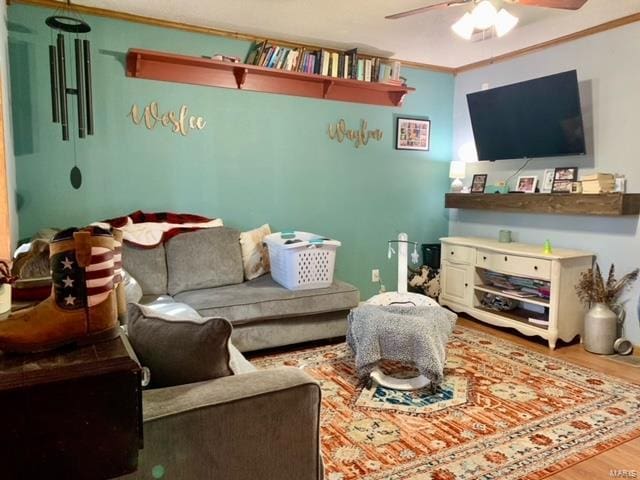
{"x":456,"y":282}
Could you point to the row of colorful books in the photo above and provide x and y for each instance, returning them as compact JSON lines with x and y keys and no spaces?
{"x":348,"y":64}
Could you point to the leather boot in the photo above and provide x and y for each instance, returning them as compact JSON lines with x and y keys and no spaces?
{"x":121,"y":297}
{"x":82,"y":306}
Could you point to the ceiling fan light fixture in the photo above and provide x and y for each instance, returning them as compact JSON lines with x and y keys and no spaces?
{"x":505,"y":22}
{"x":484,"y":15}
{"x":464,"y":27}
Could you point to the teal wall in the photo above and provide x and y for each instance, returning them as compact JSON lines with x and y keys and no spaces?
{"x":261,"y":158}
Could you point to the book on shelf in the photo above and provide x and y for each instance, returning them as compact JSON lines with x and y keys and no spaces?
{"x":598,"y":186}
{"x":360,"y":75}
{"x":395,"y":70}
{"x":538,"y":321}
{"x":353,"y":63}
{"x":335,"y":60}
{"x":367,"y":70}
{"x":519,"y":293}
{"x":598,"y":176}
{"x":254,"y":52}
{"x":324,"y":62}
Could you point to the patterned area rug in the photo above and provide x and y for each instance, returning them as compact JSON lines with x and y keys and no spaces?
{"x":503,"y":412}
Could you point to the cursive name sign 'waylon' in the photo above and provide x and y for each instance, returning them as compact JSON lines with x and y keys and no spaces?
{"x":179,"y":122}
{"x":360,"y":137}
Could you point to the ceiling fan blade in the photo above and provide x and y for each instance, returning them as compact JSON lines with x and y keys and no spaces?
{"x":564,"y":4}
{"x":415,"y":11}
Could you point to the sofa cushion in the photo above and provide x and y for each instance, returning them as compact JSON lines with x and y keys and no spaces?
{"x":204,"y":259}
{"x":148,"y":266}
{"x":172,"y":310}
{"x":176,"y":351}
{"x":263,"y":298}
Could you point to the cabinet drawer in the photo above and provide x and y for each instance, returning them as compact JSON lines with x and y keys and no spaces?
{"x":457,"y":253}
{"x":514,"y":264}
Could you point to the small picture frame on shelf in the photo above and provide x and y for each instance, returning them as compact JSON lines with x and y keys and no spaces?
{"x":478,"y":183}
{"x":412,"y":134}
{"x":547,"y":180}
{"x":527,"y":184}
{"x":563,"y":178}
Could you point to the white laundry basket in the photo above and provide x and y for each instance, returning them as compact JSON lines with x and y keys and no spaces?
{"x":301,"y":265}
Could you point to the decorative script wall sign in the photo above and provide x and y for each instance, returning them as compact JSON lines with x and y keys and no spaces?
{"x":359,"y":137}
{"x":179,"y":122}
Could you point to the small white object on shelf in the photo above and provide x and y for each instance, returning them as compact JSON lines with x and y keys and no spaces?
{"x":457,"y":172}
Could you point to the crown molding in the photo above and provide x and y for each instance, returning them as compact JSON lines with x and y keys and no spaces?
{"x":158,"y":22}
{"x":603,"y":27}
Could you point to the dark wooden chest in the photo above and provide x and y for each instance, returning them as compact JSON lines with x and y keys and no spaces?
{"x":72,"y":413}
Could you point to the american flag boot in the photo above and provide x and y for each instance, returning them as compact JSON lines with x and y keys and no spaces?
{"x":121,"y":297}
{"x":82,"y":306}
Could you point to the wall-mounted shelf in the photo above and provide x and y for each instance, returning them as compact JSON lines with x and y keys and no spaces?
{"x":605,"y":204}
{"x":170,"y":67}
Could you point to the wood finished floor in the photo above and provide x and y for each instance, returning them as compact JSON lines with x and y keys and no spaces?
{"x":623,"y":457}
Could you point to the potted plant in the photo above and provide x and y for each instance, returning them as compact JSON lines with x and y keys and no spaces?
{"x":601,"y":321}
{"x":6,"y":280}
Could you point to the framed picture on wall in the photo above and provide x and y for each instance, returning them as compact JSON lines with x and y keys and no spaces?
{"x":412,"y":134}
{"x":478,"y":183}
{"x":563,"y":178}
{"x":527,"y":184}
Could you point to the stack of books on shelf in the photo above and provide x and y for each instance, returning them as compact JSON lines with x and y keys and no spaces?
{"x":598,"y":183}
{"x":519,"y":286}
{"x":330,"y":63}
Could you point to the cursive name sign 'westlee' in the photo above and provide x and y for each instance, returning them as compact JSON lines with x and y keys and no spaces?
{"x":179,"y":122}
{"x":360,"y":137}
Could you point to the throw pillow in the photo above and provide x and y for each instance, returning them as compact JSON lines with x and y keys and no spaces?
{"x":206,"y":258}
{"x":179,"y":352}
{"x":255,"y":255}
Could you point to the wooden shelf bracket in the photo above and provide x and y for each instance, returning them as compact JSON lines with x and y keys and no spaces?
{"x":241,"y":76}
{"x":328,"y":84}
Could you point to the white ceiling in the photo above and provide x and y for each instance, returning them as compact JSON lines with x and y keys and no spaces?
{"x":425,"y":38}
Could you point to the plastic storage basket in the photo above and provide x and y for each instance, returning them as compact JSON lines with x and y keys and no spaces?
{"x":301,"y":260}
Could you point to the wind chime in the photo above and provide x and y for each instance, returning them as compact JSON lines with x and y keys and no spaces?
{"x":66,"y":24}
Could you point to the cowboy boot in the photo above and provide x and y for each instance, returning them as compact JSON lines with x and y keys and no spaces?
{"x":121,"y":296}
{"x":82,"y":306}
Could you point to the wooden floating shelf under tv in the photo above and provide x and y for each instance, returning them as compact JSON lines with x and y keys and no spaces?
{"x":170,"y":67}
{"x":604,"y":204}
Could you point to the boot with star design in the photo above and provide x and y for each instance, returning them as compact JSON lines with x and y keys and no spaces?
{"x":82,"y":306}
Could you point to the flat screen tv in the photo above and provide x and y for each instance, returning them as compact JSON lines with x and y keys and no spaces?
{"x":536,"y":118}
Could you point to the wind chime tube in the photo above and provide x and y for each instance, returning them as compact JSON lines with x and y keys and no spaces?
{"x":80,"y":86}
{"x":402,"y":262}
{"x":62,"y":88}
{"x":53,"y":73}
{"x":86,"y":47}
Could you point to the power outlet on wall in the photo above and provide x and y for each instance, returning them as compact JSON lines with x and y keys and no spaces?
{"x":375,"y":275}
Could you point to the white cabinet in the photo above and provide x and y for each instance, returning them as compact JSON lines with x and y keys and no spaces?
{"x":456,"y":282}
{"x":468,"y":265}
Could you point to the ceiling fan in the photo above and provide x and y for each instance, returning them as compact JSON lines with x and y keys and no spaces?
{"x":485,"y":15}
{"x":562,"y":4}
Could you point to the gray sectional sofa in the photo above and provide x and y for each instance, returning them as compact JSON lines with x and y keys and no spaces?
{"x":253,"y":424}
{"x":203,"y":269}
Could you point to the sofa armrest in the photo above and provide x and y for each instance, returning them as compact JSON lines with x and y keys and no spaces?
{"x":262,"y":424}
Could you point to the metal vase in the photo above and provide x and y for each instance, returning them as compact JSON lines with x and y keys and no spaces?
{"x":600,"y":329}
